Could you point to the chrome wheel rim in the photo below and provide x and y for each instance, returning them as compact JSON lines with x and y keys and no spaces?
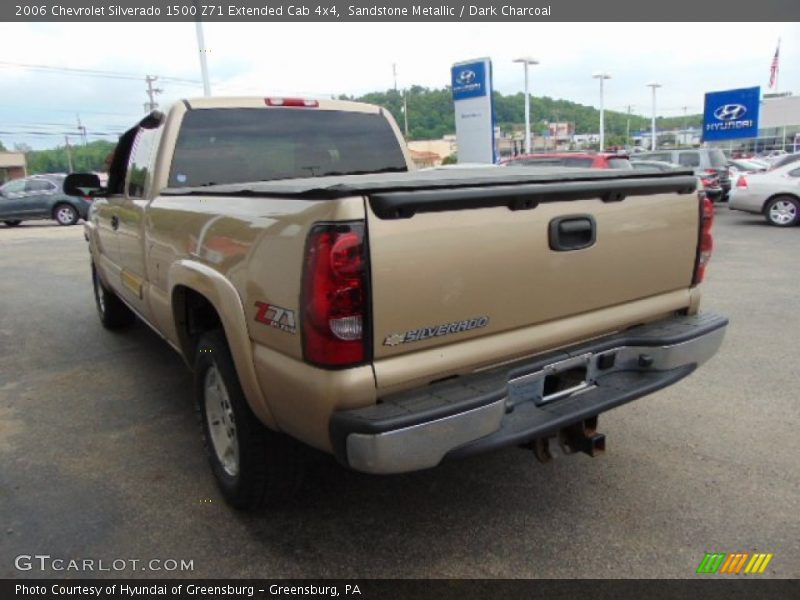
{"x":221,"y":422}
{"x":783,"y":212}
{"x":65,"y":214}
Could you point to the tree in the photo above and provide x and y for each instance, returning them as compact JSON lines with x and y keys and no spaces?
{"x":91,"y":157}
{"x":2,"y":147}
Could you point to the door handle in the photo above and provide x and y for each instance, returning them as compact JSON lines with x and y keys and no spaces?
{"x":115,"y":222}
{"x":573,"y":232}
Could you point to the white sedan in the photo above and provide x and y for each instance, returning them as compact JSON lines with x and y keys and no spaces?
{"x":774,"y":194}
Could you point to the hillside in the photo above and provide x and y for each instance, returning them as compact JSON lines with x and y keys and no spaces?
{"x":430,"y":113}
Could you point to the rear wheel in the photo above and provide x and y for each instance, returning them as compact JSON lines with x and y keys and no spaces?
{"x":782,"y":211}
{"x":112,"y":311}
{"x":253,"y":465}
{"x":65,"y":214}
{"x":12,"y":223}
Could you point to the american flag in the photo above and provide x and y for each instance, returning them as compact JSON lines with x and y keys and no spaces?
{"x":773,"y":70}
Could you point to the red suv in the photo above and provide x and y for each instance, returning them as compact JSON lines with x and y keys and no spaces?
{"x":593,"y":160}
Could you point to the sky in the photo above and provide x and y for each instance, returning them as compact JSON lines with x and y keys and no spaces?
{"x":323,"y":59}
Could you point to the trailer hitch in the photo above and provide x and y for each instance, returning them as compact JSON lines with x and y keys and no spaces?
{"x":579,"y":437}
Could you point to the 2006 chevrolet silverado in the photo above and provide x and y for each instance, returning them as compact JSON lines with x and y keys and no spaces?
{"x":321,"y":289}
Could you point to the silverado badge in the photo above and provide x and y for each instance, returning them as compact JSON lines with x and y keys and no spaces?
{"x":424,"y":333}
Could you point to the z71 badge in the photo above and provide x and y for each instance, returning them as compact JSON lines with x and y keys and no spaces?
{"x":425,"y":333}
{"x":276,"y":316}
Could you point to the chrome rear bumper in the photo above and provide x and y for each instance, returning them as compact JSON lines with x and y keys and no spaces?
{"x":522,"y":401}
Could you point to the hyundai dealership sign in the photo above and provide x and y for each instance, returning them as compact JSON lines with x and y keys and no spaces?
{"x":472,"y":96}
{"x":731,"y":114}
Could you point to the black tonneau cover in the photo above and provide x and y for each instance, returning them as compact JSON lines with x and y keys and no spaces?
{"x":401,"y":195}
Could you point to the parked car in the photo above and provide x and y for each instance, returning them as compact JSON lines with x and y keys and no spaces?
{"x":593,"y":160}
{"x":783,"y":160}
{"x":775,"y":194}
{"x":40,"y":197}
{"x":702,"y":160}
{"x":708,"y":182}
{"x":740,"y":166}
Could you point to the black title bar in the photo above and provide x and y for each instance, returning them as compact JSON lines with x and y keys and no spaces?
{"x":405,"y":589}
{"x":544,"y":11}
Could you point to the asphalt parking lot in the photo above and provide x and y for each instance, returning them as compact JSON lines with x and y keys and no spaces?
{"x":100,"y":456}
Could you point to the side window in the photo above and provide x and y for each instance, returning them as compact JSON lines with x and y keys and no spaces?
{"x":14,"y":187}
{"x":139,"y":167}
{"x":689,"y":159}
{"x":39,"y":185}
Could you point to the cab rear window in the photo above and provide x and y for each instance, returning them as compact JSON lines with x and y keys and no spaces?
{"x":238,"y":145}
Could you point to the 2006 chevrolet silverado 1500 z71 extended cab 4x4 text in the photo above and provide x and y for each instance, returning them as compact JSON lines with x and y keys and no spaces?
{"x":321,"y":289}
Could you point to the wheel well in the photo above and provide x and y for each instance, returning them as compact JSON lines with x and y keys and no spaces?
{"x":194,"y":315}
{"x":778,"y":195}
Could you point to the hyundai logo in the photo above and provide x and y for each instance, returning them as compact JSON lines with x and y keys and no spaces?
{"x":465,"y":77}
{"x":730,"y":112}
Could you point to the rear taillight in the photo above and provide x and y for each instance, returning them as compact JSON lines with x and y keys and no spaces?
{"x":292,"y":102}
{"x":88,"y":198}
{"x":705,"y":242}
{"x":741,"y":182}
{"x":335,"y":295}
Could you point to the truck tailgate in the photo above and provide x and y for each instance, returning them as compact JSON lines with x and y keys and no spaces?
{"x":447,"y":275}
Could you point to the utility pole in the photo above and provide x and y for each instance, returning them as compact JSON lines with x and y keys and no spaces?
{"x":685,"y":108}
{"x":69,"y":154}
{"x":405,"y":112}
{"x":151,"y":94}
{"x":394,"y":75}
{"x":82,"y":130}
{"x":628,"y":129}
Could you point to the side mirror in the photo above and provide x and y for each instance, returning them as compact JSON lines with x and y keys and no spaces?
{"x":83,"y":184}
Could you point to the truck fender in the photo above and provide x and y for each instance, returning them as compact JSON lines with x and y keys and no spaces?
{"x":223,"y":296}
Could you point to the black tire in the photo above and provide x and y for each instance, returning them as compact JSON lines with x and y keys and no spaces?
{"x":65,"y":214}
{"x":782,"y":211}
{"x":112,"y":311}
{"x":265,"y":467}
{"x":13,"y":223}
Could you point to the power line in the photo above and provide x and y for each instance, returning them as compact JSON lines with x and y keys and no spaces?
{"x":96,"y":73}
{"x":60,"y":133}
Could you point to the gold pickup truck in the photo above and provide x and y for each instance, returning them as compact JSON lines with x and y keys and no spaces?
{"x":321,"y":289}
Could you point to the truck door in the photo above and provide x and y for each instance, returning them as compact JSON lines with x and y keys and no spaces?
{"x":107,"y":210}
{"x":130,"y":215}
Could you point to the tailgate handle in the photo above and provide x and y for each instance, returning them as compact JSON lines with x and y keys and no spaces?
{"x":573,"y":232}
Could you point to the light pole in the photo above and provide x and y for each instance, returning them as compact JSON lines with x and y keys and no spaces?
{"x":602,"y":76}
{"x":201,"y":47}
{"x":527,"y":60}
{"x":654,"y":86}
